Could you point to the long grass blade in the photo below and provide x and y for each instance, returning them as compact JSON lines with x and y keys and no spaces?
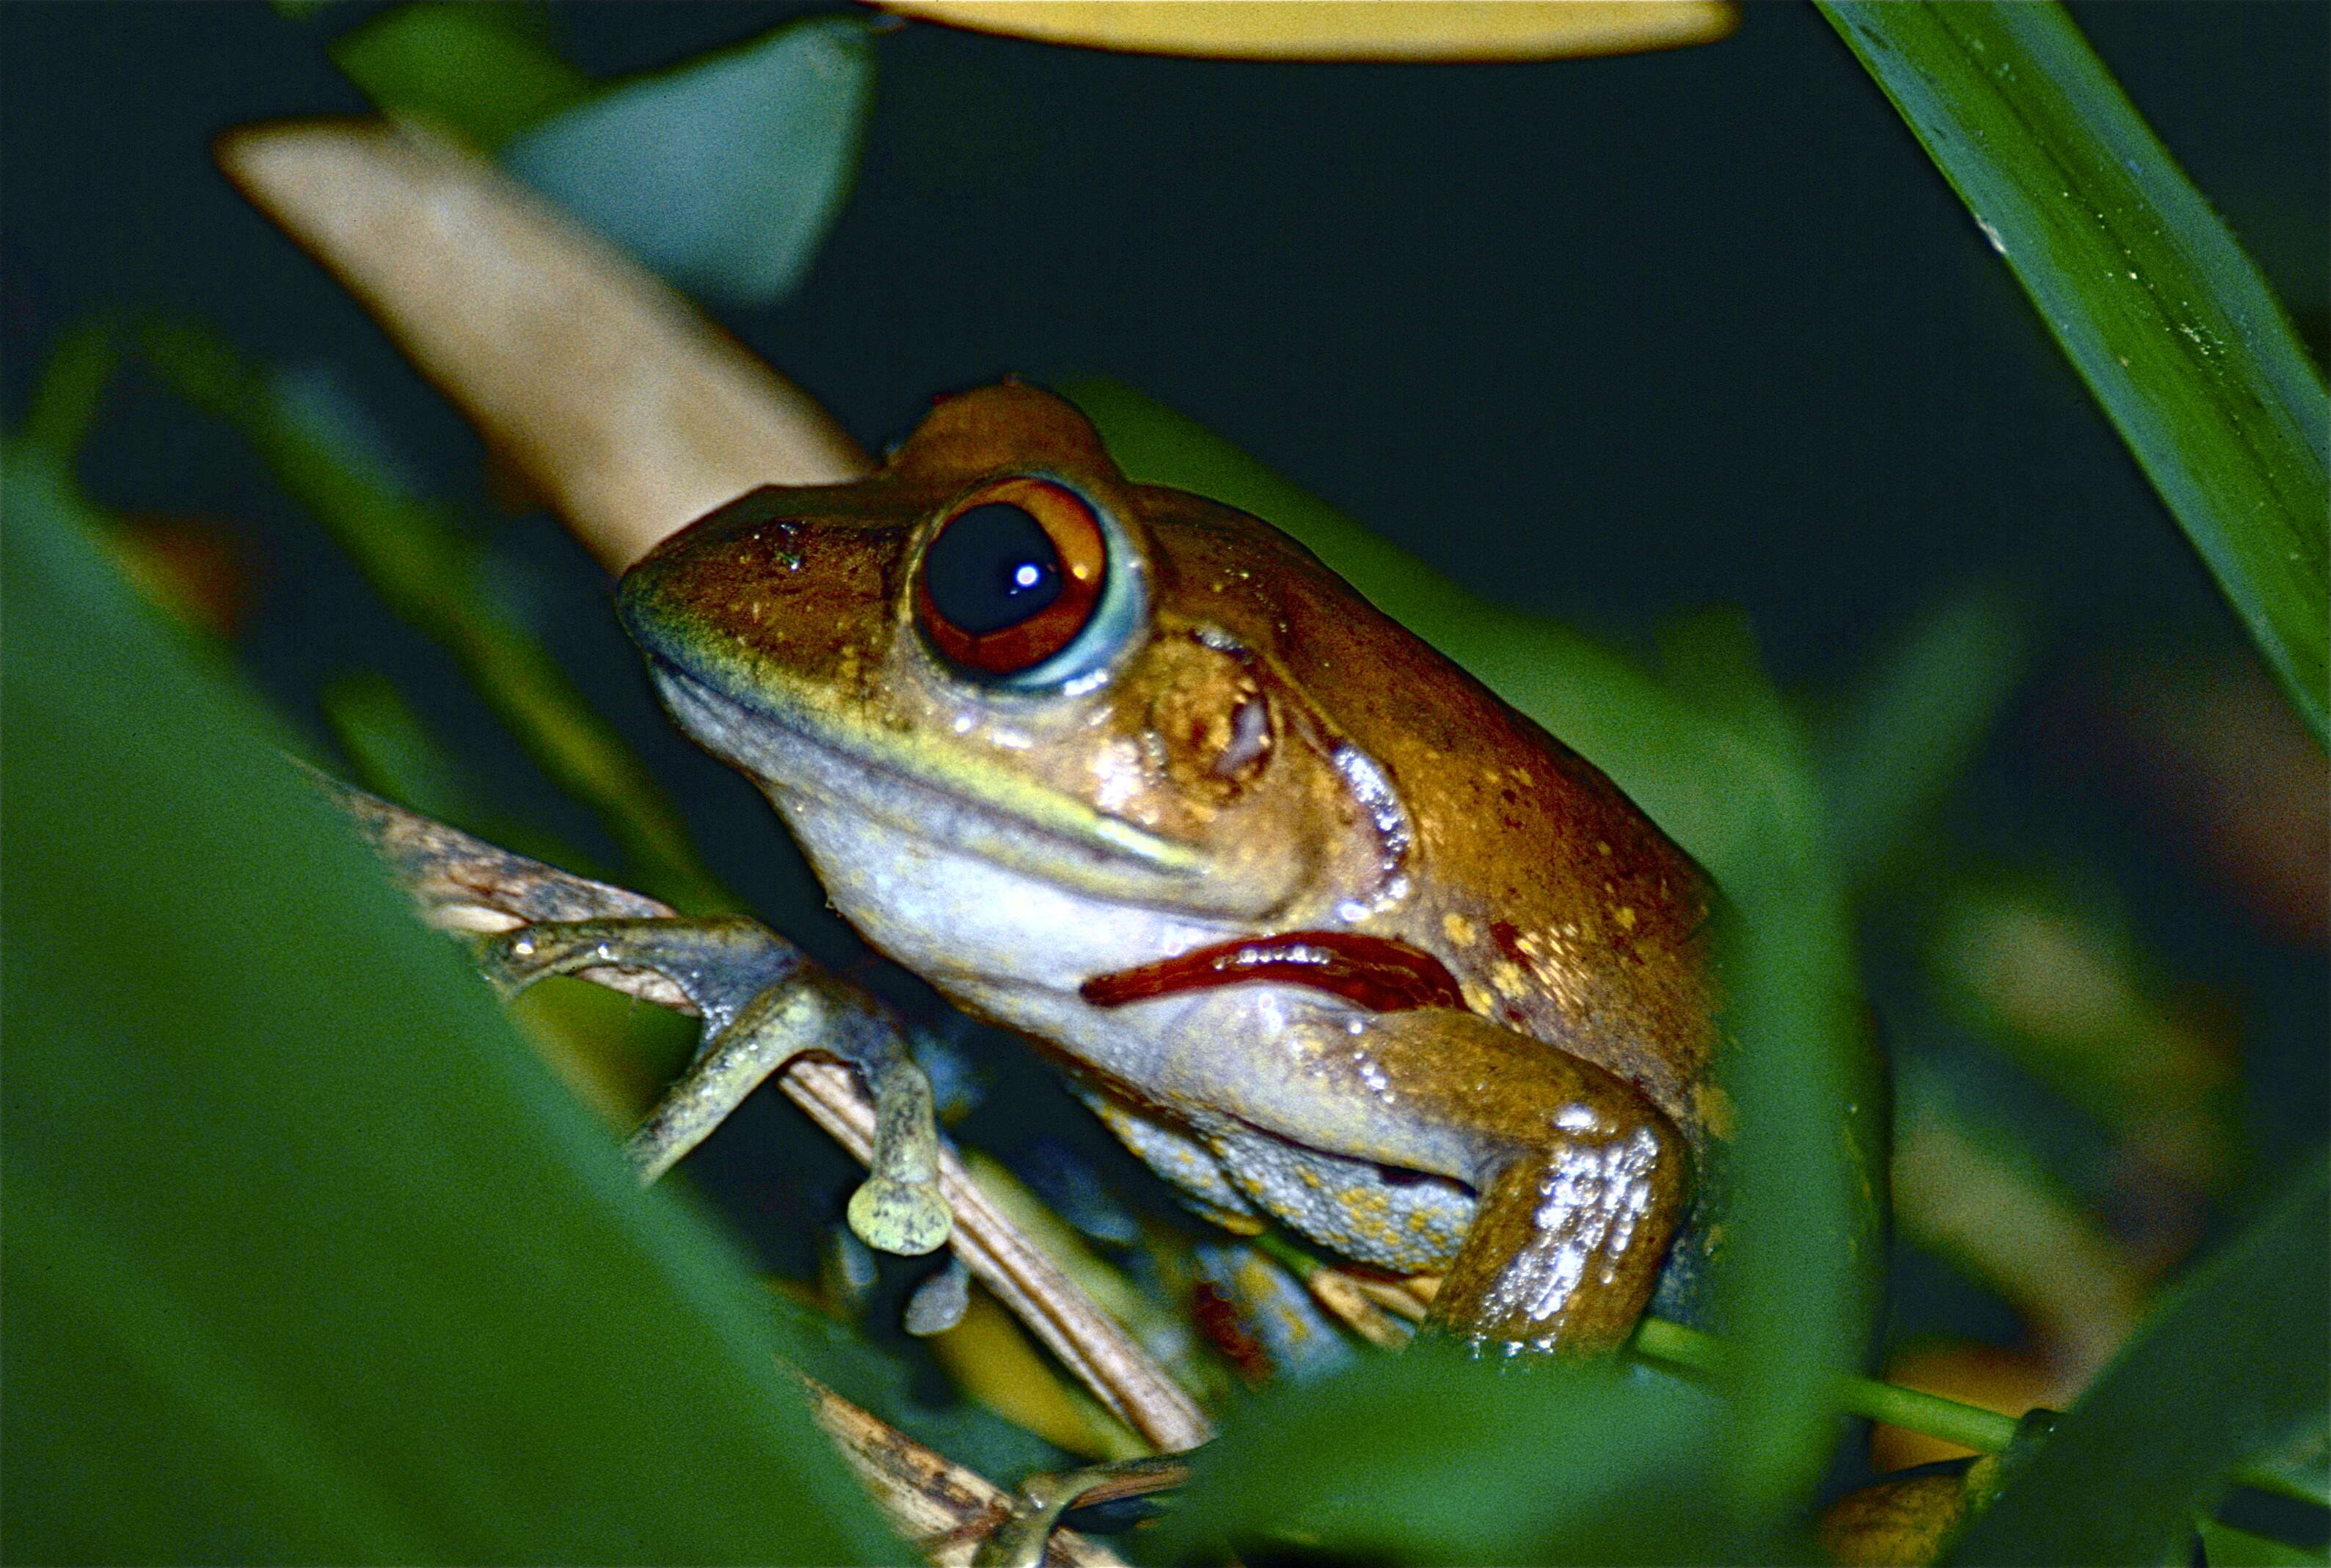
{"x":2165,"y":318}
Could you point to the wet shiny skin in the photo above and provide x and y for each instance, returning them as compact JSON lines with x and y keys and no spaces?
{"x":1260,"y":755}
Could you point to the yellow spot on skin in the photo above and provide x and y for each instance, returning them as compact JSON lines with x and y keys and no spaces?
{"x":1602,"y":846}
{"x":1522,"y":777}
{"x":1461,"y":930}
{"x":1626,"y":917}
{"x":1478,"y":998}
{"x":1510,"y":982}
{"x":1715,"y":1108}
{"x":1366,"y":1213}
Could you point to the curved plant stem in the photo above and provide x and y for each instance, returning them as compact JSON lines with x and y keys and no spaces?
{"x":1970,"y":1426}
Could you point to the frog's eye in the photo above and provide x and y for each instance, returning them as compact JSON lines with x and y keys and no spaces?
{"x":1016,"y":588}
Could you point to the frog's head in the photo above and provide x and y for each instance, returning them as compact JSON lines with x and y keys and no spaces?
{"x":999,"y":645}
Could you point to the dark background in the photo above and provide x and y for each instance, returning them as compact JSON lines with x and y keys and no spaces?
{"x":1601,"y":337}
{"x":1606,"y":339}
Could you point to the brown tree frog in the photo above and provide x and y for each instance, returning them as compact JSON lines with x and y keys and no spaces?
{"x":1323,"y":929}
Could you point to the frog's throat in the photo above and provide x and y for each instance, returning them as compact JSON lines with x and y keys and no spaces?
{"x":986,"y":810}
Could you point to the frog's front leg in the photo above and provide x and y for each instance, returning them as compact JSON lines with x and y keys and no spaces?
{"x":1580,"y":1179}
{"x":763,"y":1003}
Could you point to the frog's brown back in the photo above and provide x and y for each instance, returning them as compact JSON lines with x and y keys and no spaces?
{"x":1562,"y":910}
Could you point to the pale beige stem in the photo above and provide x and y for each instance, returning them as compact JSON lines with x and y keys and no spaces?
{"x":626,"y":409}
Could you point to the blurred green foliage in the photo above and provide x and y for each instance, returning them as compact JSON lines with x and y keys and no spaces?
{"x":309,"y":1259}
{"x":1443,"y":1461}
{"x":2227,"y":1365}
{"x":483,"y":72}
{"x":724,"y":175}
{"x":431,"y":573}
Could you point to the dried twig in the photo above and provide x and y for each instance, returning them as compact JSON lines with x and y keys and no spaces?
{"x":625,"y":407}
{"x":1352,"y":1304}
{"x":945,"y":1510}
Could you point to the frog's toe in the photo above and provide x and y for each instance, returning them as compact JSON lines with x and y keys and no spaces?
{"x":940,"y":1301}
{"x":906,"y":1218}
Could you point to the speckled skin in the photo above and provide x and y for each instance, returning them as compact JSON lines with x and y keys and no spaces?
{"x":1266,"y":754}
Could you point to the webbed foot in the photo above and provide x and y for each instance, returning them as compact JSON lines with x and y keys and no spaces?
{"x":763,"y":1003}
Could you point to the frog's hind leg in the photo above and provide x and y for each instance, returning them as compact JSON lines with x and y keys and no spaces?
{"x":1565,"y":1247}
{"x":763,"y":1003}
{"x":1582,"y":1180}
{"x":1579,"y":1177}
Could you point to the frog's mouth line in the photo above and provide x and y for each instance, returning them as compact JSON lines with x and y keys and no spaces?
{"x":984,"y":810}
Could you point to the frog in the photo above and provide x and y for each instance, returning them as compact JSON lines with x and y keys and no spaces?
{"x":1325,"y":932}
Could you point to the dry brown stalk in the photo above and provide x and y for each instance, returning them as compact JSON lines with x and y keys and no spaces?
{"x":945,"y":1510}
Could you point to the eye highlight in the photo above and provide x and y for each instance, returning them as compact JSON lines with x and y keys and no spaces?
{"x":1014,"y":579}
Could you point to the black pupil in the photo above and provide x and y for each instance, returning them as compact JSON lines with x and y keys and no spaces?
{"x":991,"y":567}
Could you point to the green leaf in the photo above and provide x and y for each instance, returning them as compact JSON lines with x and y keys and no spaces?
{"x":2141,"y":284}
{"x":309,"y":1259}
{"x":1804,"y":1199}
{"x":73,"y":385}
{"x":2227,"y":1547}
{"x":1906,"y":734}
{"x":473,"y":68}
{"x":2229,"y":1365}
{"x":726,"y":175}
{"x":1424,"y":1458}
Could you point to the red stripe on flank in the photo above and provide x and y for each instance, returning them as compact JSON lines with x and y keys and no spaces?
{"x":1380,"y":976}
